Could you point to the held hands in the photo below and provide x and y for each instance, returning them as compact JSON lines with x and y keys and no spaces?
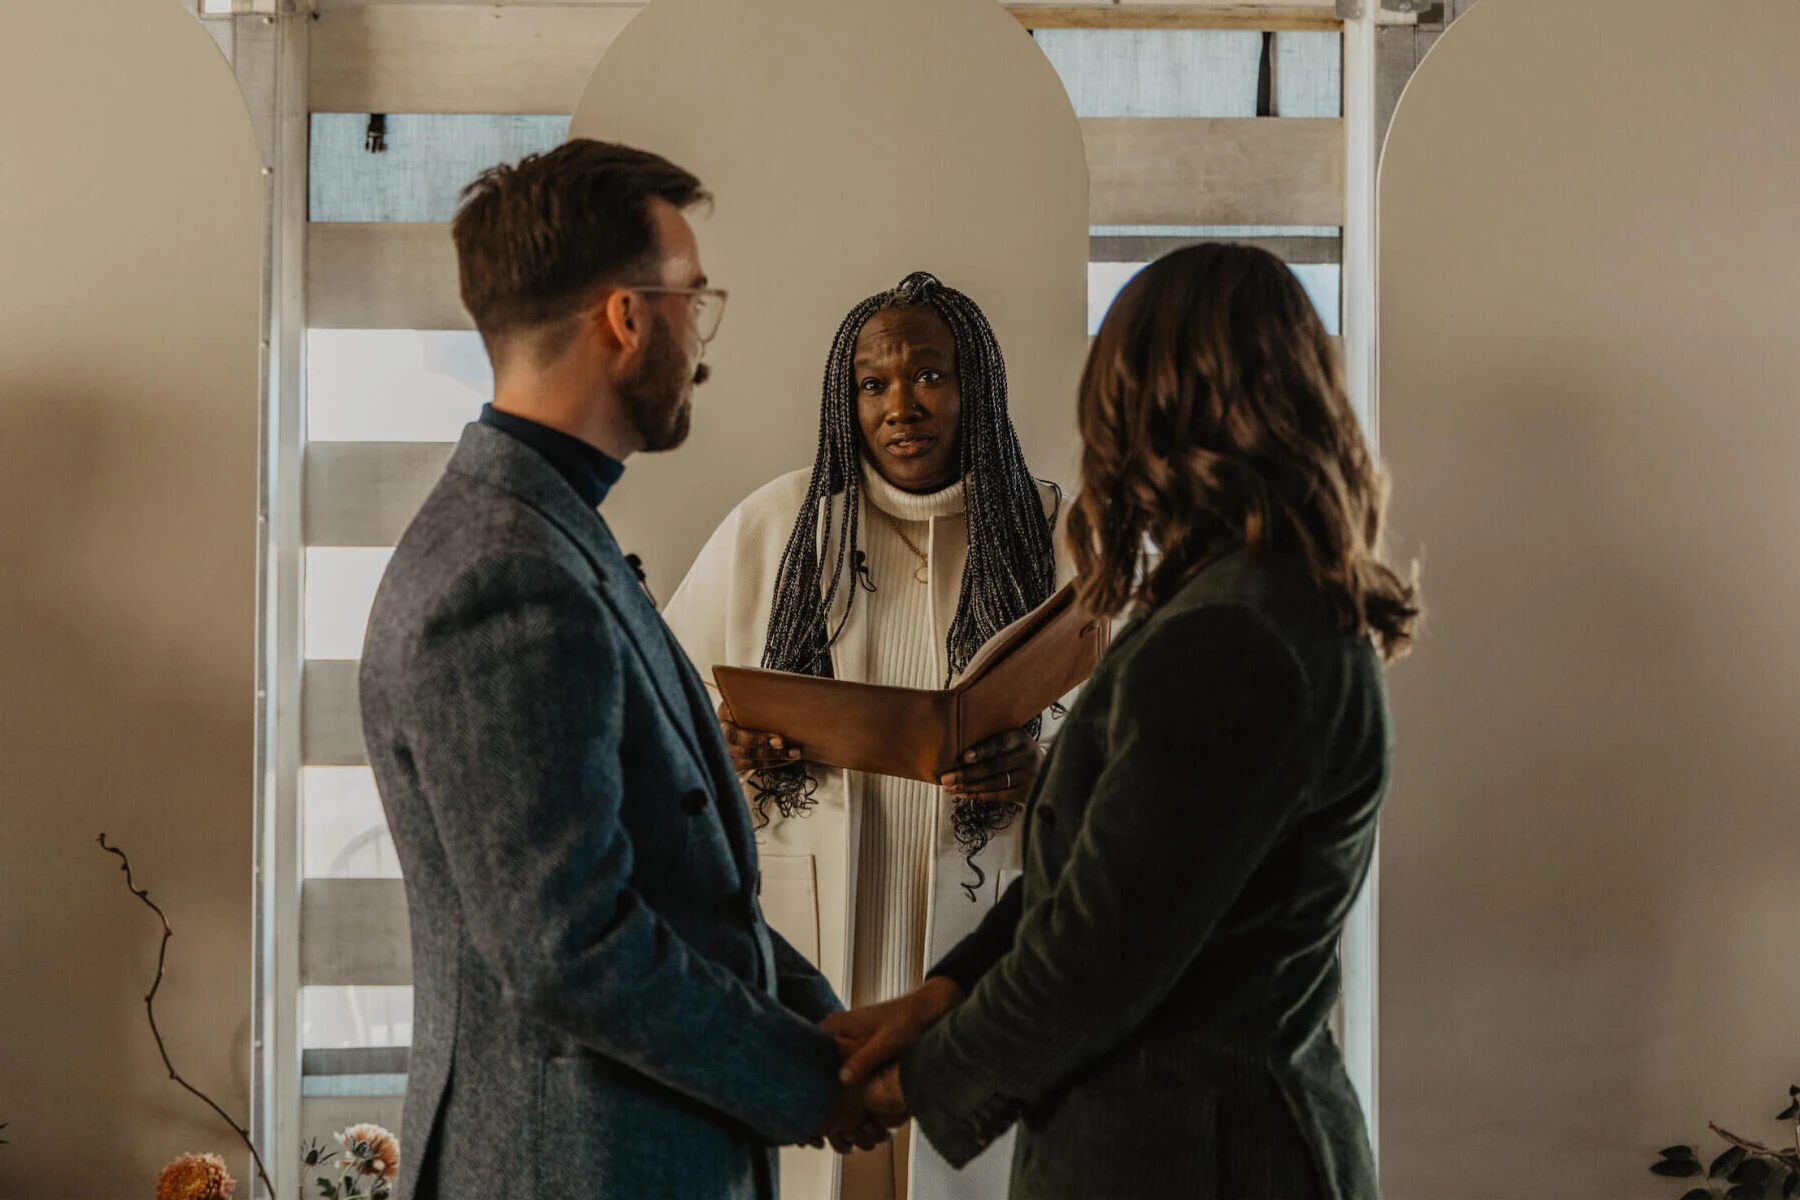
{"x":1002,"y":768}
{"x":883,"y":1099}
{"x":753,"y":751}
{"x":849,"y":1126}
{"x":873,"y":1037}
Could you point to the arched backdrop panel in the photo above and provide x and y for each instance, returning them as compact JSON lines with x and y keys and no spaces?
{"x":847,"y":144}
{"x":1590,"y":402}
{"x":130,"y":259}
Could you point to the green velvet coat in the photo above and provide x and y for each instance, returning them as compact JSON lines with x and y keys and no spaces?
{"x":1150,"y":1002}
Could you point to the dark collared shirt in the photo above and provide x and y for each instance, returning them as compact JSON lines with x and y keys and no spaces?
{"x":591,"y":472}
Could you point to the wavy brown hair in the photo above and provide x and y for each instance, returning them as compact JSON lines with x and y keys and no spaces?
{"x":1213,"y":417}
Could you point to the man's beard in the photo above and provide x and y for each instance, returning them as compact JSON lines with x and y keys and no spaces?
{"x":659,"y":395}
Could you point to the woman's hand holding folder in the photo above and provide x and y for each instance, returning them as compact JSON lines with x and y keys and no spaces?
{"x":1002,"y":767}
{"x":755,"y":751}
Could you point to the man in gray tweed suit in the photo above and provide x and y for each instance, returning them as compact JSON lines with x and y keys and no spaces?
{"x":599,"y":1008}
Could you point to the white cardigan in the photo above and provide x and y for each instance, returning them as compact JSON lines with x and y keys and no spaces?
{"x":720,"y":614}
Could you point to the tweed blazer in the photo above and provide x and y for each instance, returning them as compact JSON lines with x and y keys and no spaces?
{"x":599,"y":1007}
{"x":1150,"y":1002}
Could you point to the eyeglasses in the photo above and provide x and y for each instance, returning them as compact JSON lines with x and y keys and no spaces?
{"x":708,"y":306}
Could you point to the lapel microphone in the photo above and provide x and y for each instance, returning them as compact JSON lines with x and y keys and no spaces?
{"x":637,"y":568}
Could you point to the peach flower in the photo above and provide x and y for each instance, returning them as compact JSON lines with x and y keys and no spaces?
{"x":195,"y":1177}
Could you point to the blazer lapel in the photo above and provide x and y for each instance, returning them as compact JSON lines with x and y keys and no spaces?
{"x":504,"y":462}
{"x":671,"y":669}
{"x":619,"y":586}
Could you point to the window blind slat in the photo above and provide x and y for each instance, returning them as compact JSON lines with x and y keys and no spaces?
{"x":330,"y":715}
{"x":1215,"y":171}
{"x":354,"y":932}
{"x":453,"y":58}
{"x":321,"y":1116}
{"x":365,"y":493}
{"x":381,"y":276}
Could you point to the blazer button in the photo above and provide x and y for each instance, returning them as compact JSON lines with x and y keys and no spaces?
{"x":694,"y":803}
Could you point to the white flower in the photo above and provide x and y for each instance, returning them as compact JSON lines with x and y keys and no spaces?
{"x":380,"y":1153}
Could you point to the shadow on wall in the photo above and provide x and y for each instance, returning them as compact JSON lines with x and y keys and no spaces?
{"x":1616,"y":798}
{"x":125,"y":708}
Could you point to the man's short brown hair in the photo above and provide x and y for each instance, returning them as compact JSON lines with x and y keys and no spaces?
{"x":535,"y":237}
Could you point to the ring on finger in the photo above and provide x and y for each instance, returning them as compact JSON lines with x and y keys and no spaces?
{"x":1009,"y":781}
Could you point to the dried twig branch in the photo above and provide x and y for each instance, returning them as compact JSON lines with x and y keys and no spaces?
{"x":1790,"y":1157}
{"x":1740,"y":1143}
{"x":162,"y":955}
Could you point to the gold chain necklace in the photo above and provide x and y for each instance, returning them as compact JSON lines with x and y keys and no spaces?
{"x":923,"y":574}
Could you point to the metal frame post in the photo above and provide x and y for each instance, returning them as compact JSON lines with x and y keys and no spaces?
{"x":271,"y":63}
{"x":1360,"y":949}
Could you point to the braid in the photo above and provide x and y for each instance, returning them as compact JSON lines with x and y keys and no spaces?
{"x":798,"y":639}
{"x":1012,"y":561}
{"x":1011,"y":566}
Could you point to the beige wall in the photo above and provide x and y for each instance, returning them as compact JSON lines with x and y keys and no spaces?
{"x":1590,"y":400}
{"x":848,"y":144}
{"x":129,"y":280}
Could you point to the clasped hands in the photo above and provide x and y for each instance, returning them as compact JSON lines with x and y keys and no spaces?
{"x":871,"y":1039}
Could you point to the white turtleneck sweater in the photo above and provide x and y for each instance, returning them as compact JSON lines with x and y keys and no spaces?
{"x":865,"y":921}
{"x":893,"y":875}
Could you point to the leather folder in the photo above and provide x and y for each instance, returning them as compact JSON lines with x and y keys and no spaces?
{"x":917,"y":734}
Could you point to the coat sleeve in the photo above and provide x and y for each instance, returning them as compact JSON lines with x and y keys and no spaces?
{"x":518,"y":711}
{"x":800,"y":984}
{"x":1204,"y":767}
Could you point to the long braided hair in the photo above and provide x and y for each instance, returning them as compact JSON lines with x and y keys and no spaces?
{"x":1011,"y":566}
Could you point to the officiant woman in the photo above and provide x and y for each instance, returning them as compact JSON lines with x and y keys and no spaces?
{"x":918,"y":533}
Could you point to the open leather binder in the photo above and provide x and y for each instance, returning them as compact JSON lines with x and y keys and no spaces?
{"x":916,"y":734}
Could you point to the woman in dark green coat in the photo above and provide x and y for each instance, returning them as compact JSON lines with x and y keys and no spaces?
{"x":1150,"y":1003}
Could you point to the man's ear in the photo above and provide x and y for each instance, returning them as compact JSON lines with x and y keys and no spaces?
{"x":621,"y":319}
